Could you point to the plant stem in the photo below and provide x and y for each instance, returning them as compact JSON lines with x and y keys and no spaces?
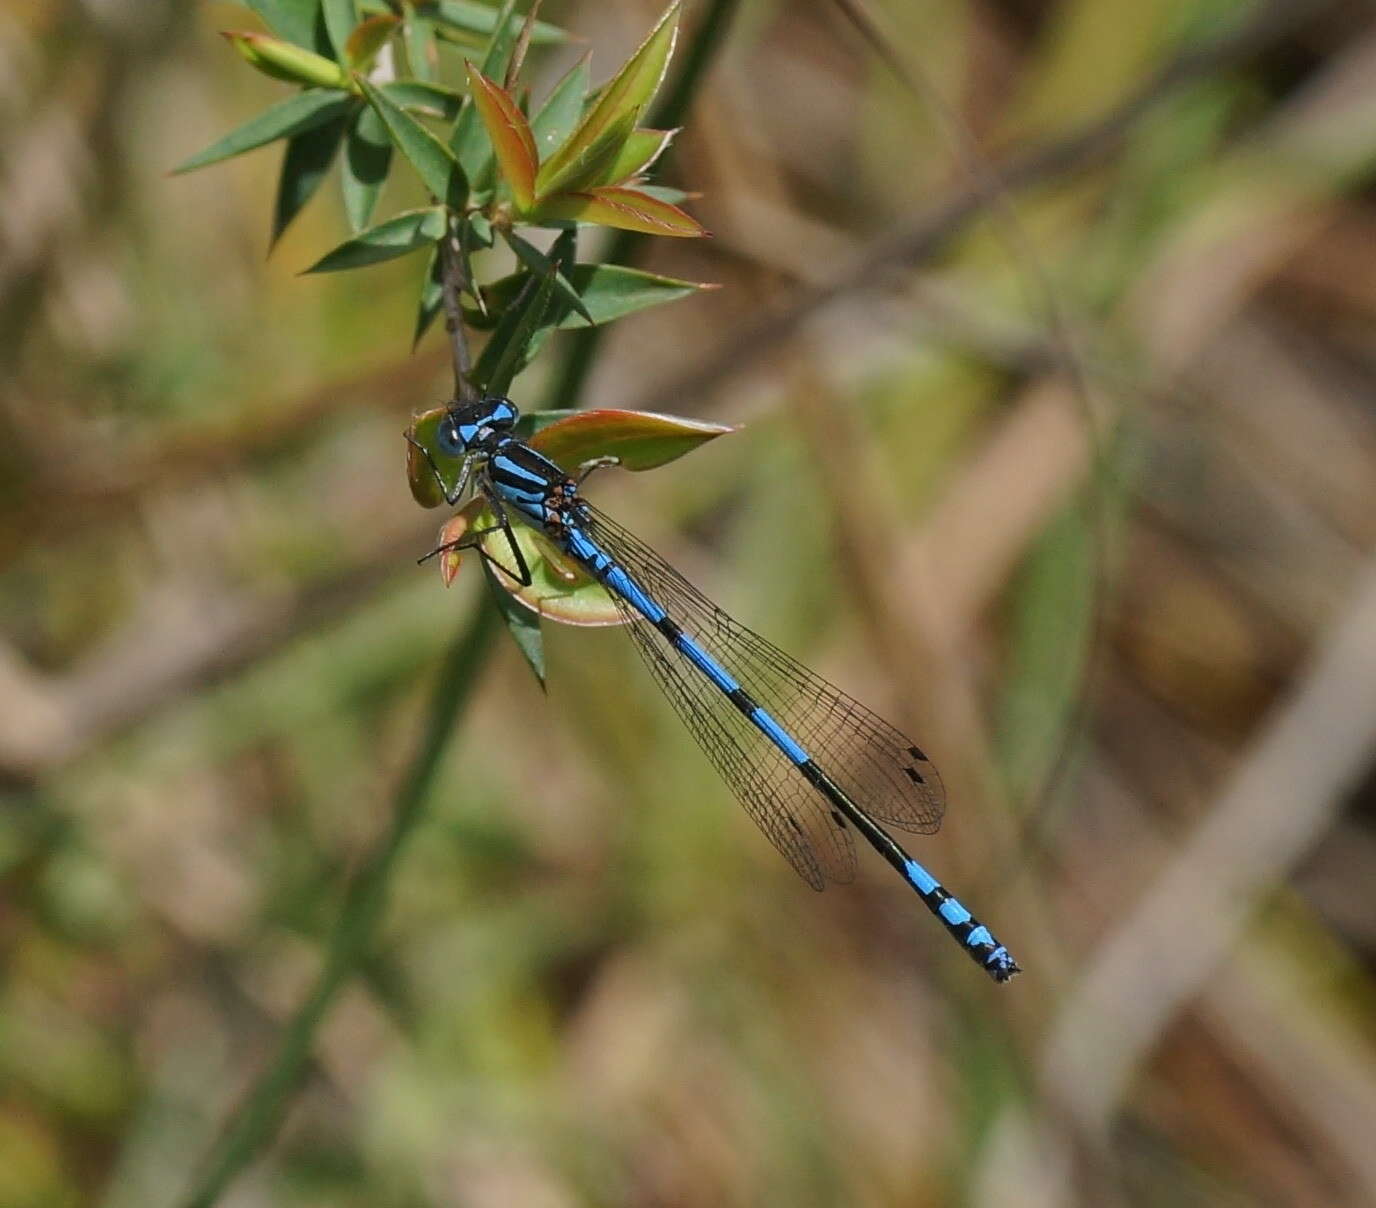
{"x":256,"y":1121}
{"x":580,"y":350}
{"x":452,"y":281}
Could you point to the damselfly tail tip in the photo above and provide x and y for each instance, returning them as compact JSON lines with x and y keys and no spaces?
{"x":1001,"y":966}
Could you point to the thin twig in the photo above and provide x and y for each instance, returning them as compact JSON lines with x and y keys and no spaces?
{"x":453,"y":280}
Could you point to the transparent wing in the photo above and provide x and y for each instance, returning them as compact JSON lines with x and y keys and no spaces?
{"x":788,"y":809}
{"x":878,"y":767}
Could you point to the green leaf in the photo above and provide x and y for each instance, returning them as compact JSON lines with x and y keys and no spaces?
{"x":481,"y":226}
{"x":340,"y":17}
{"x":467,"y":140}
{"x":629,"y":90}
{"x":421,"y":53}
{"x":509,"y":133}
{"x":397,"y":236}
{"x":607,"y":291}
{"x":424,"y":458}
{"x":469,"y":43}
{"x":541,"y":265}
{"x":367,"y":156}
{"x":295,"y":115}
{"x":304,"y":165}
{"x":285,"y":61}
{"x":674,"y":197}
{"x":369,"y":38}
{"x":562,"y":108}
{"x":638,"y":152}
{"x":592,"y":165}
{"x":300,"y":21}
{"x":613,"y":291}
{"x":468,"y":239}
{"x":559,"y":590}
{"x":521,"y":622}
{"x":433,"y":100}
{"x":431,"y":298}
{"x":625,"y":209}
{"x":509,"y":348}
{"x":642,"y":440}
{"x":432,"y":160}
{"x":479,"y":19}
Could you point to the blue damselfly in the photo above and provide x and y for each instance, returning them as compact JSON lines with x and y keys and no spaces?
{"x":810,"y":764}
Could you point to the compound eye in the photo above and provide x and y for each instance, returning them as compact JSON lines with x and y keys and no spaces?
{"x":448,"y":439}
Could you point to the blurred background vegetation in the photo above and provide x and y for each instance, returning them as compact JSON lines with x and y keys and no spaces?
{"x":1125,"y":597}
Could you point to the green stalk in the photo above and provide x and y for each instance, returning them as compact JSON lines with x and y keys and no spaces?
{"x":256,"y":1121}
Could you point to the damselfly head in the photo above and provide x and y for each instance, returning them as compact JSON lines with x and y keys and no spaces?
{"x":469,"y":425}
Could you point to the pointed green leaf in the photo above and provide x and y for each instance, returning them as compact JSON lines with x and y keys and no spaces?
{"x":613,"y":291}
{"x":510,"y":134}
{"x":340,"y":17}
{"x":286,"y":61}
{"x":367,"y":155}
{"x":509,"y":348}
{"x":468,"y":239}
{"x":562,"y":108}
{"x":560,"y":252}
{"x":425,"y":459}
{"x":469,"y":43}
{"x":295,"y":115}
{"x":481,"y":226}
{"x":625,"y":209}
{"x":397,"y":236}
{"x":367,"y":39}
{"x":674,"y":197}
{"x":641,"y":440}
{"x":433,"y":100}
{"x":630,"y":89}
{"x":521,"y":622}
{"x":540,"y":265}
{"x":431,"y":297}
{"x":304,"y":165}
{"x":467,"y":139}
{"x":607,"y":291}
{"x":432,"y":160}
{"x":638,"y":152}
{"x":592,"y":165}
{"x":422,"y":55}
{"x":299,"y":21}
{"x":481,"y":20}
